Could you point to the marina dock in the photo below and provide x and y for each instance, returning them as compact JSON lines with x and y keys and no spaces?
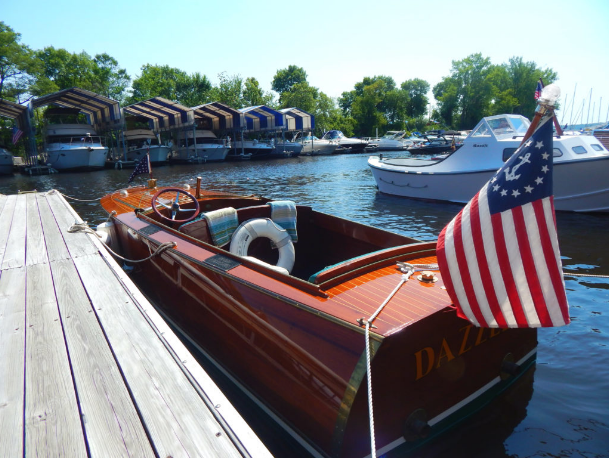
{"x":87,"y":366}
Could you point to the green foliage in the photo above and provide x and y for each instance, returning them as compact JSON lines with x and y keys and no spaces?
{"x":110,"y":80}
{"x":16,"y":65}
{"x":286,"y":78}
{"x":172,"y":84}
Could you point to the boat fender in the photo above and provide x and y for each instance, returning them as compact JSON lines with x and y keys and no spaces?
{"x":264,"y":227}
{"x":107,"y":234}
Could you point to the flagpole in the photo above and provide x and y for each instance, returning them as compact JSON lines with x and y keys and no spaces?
{"x":545,"y":106}
{"x":556,"y":123}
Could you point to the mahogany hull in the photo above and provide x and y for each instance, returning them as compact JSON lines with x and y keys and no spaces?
{"x":306,"y":362}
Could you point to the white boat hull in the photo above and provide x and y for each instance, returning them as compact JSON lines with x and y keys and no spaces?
{"x":202,"y":153}
{"x":80,"y":158}
{"x":579,"y":186}
{"x":158,"y":154}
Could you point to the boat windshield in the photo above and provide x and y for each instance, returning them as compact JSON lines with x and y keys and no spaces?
{"x":501,"y":126}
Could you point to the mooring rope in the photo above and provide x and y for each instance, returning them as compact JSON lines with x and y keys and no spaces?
{"x":84,"y":227}
{"x":407,"y":271}
{"x":585,"y":275}
{"x":53,"y":191}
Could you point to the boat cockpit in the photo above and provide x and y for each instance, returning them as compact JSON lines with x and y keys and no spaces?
{"x":327,"y":248}
{"x":501,"y":126}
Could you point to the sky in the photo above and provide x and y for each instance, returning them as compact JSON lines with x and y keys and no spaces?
{"x":337,"y":42}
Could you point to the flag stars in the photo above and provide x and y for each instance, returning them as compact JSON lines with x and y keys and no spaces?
{"x":503,"y":192}
{"x":515,"y":193}
{"x":528,"y":189}
{"x":545,"y":169}
{"x":539,"y":180}
{"x":496,"y":187}
{"x":527,"y":144}
{"x":545,"y":156}
{"x":539,"y":145}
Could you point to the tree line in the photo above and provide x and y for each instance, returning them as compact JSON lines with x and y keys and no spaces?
{"x":474,"y":88}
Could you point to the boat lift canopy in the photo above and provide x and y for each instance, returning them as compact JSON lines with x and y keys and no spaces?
{"x":297,"y":119}
{"x":222,"y":116}
{"x":14,"y":111}
{"x":102,"y":112}
{"x":261,"y":117}
{"x":162,"y":114}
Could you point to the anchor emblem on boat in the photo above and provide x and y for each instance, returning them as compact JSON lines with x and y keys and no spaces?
{"x":511,"y":176}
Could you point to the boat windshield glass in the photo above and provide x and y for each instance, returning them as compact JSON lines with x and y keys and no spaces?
{"x":507,"y":126}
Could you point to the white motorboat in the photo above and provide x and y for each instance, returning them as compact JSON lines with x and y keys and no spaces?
{"x":70,"y":144}
{"x":287,"y":148}
{"x":6,"y":161}
{"x":393,"y":140}
{"x":200,"y":146}
{"x":313,"y":146}
{"x":581,"y":167}
{"x":258,"y":149}
{"x":140,"y":142}
{"x":345,"y":144}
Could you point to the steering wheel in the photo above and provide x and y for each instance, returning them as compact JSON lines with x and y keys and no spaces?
{"x":175,"y":206}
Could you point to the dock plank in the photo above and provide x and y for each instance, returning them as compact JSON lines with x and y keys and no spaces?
{"x":12,"y":350}
{"x":111,"y":421}
{"x":55,"y":245}
{"x":52,"y":419}
{"x":14,"y":256}
{"x":177,"y":419}
{"x":6,"y":223}
{"x":79,"y":243}
{"x":35,"y":249}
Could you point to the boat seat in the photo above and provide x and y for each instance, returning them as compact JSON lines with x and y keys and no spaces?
{"x":256,"y":211}
{"x":198,"y":229}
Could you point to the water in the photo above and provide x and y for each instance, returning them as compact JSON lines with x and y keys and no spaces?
{"x":561,"y":409}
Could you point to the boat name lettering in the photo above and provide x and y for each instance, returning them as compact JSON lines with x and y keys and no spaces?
{"x":482,"y":145}
{"x":430,"y":358}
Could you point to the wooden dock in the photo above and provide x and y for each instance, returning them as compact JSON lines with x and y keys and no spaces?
{"x":87,"y":366}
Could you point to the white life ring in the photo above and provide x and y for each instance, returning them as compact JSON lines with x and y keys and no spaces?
{"x":264,"y":227}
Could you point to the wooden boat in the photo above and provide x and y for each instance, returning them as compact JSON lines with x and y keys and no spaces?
{"x":296,"y":341}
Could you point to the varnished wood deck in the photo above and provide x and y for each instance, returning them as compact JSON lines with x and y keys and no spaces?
{"x":87,"y":367}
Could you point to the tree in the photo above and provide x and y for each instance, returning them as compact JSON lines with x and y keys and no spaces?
{"x":229,"y":91}
{"x":365,"y":109}
{"x":17,"y":64}
{"x":286,"y":78}
{"x":514,"y":84}
{"x":110,"y":80}
{"x":301,"y":95}
{"x":171,"y":83}
{"x":470,"y":84}
{"x":254,"y":95}
{"x":416,"y":90}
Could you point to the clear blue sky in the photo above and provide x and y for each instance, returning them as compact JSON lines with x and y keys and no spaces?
{"x":337,"y":42}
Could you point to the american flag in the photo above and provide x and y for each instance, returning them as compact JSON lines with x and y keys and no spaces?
{"x":538,"y":90}
{"x":499,"y":256}
{"x":17,"y":133}
{"x":142,"y":167}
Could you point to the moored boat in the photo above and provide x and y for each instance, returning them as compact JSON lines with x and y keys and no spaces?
{"x":581,"y":167}
{"x":345,"y":144}
{"x":140,"y":142}
{"x":71,"y":143}
{"x":6,"y":161}
{"x":313,"y":146}
{"x":200,"y":145}
{"x":287,"y":324}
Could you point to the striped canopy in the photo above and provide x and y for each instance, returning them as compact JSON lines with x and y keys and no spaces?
{"x":261,"y":117}
{"x":222,"y":116}
{"x":162,"y":114}
{"x":102,"y":112}
{"x":298,"y":119}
